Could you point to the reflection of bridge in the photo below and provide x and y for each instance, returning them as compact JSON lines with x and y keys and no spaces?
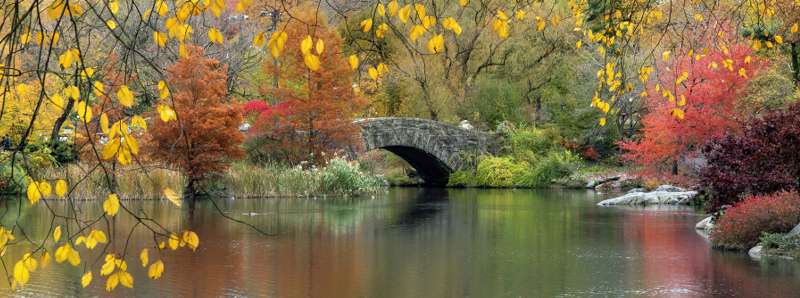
{"x":433,"y":148}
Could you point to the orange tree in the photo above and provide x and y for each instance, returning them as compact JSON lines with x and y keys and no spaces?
{"x":314,"y":85}
{"x":205,"y":134}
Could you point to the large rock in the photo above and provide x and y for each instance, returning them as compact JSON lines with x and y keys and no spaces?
{"x":794,"y":232}
{"x":755,"y":252}
{"x":663,"y":195}
{"x":706,"y":224}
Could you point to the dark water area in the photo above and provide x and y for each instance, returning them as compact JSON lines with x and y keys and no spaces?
{"x":429,"y":243}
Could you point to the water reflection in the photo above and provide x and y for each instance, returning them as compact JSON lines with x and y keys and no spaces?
{"x":434,"y":243}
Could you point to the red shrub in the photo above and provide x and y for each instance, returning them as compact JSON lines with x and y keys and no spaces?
{"x":741,"y":226}
{"x":762,"y":159}
{"x":590,"y":154}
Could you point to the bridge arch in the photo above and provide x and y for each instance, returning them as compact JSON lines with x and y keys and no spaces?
{"x":433,"y":148}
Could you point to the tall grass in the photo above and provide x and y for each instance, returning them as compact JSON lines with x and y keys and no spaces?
{"x":337,"y":178}
{"x":147,"y":183}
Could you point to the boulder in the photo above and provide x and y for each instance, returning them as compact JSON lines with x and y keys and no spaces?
{"x":660,"y":196}
{"x":670,"y":188}
{"x":794,"y":232}
{"x":706,"y":224}
{"x":755,"y":252}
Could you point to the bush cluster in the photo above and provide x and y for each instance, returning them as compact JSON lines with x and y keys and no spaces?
{"x":760,"y":160}
{"x":506,"y":171}
{"x":741,"y":226}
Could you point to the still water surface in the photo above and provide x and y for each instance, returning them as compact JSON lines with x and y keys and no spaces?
{"x":432,"y":243}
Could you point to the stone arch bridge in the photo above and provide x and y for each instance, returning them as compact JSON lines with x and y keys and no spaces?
{"x":433,"y":148}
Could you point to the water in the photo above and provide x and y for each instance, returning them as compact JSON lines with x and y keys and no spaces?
{"x":430,"y":243}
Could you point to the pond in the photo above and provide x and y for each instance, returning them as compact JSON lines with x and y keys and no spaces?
{"x":430,"y":243}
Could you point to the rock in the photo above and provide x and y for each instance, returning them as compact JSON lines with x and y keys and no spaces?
{"x":638,"y":189}
{"x":667,"y":187}
{"x":652,"y":198}
{"x":794,"y":232}
{"x":596,"y":181}
{"x":755,"y":252}
{"x":705,"y":225}
{"x":465,"y":125}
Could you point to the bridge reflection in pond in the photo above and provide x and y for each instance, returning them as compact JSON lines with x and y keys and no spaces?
{"x":435,"y":243}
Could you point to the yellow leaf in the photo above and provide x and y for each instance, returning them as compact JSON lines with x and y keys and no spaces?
{"x":160,"y":38}
{"x":33,"y":193}
{"x":156,"y":269}
{"x":665,"y":56}
{"x":166,"y":113}
{"x":742,"y":73}
{"x":111,"y":24}
{"x":104,"y":123}
{"x":312,"y":61}
{"x":125,"y":279}
{"x":45,"y":189}
{"x":86,"y":279}
{"x":277,"y":42}
{"x":125,"y":96}
{"x":21,"y":274}
{"x":215,"y":36}
{"x":259,"y":40}
{"x":602,"y":121}
{"x":72,"y":92}
{"x":366,"y":25}
{"x":110,"y":149}
{"x":67,"y":253}
{"x":112,"y":282}
{"x":84,"y":112}
{"x":794,"y":28}
{"x":381,"y":10}
{"x":404,"y":13}
{"x":113,"y":6}
{"x":677,"y":113}
{"x":373,"y":73}
{"x":578,"y":44}
{"x":436,"y":44}
{"x":45,"y":259}
{"x":305,"y":45}
{"x":182,"y":51}
{"x":353,"y":60}
{"x":144,"y":257}
{"x":98,"y":88}
{"x":191,"y":239}
{"x":57,"y":234}
{"x":66,"y":59}
{"x":61,"y":188}
{"x":172,"y":196}
{"x":420,"y":9}
{"x":519,"y":15}
{"x":392,"y":6}
{"x":111,"y":205}
{"x":463,"y":2}
{"x":779,"y":39}
{"x":173,"y":241}
{"x":682,"y":102}
{"x":320,"y":46}
{"x":416,"y":32}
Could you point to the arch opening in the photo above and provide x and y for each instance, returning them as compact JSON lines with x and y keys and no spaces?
{"x":432,"y":170}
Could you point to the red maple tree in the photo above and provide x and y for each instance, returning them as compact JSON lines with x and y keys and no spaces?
{"x":205,"y":136}
{"x":705,"y":90}
{"x":313,"y":112}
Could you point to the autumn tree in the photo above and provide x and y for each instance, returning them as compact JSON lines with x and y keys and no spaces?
{"x":693,"y":101}
{"x":314,"y":102}
{"x":204,"y":135}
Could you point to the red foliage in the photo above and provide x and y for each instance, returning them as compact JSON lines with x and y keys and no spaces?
{"x":741,"y":226}
{"x":590,"y":154}
{"x":762,"y":159}
{"x":711,"y":90}
{"x":206,"y":135}
{"x":314,"y":114}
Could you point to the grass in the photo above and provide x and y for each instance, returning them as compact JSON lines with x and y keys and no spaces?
{"x":337,"y":178}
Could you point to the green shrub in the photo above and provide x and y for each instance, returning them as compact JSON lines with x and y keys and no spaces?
{"x":779,"y":241}
{"x":555,"y":165}
{"x":495,"y":171}
{"x":12,"y":179}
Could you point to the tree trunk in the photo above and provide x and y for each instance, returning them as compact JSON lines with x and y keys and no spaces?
{"x":60,"y":122}
{"x":796,"y":62}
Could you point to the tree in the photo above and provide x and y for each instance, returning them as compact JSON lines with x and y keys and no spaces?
{"x":205,"y":135}
{"x":693,"y":102}
{"x":760,"y":160}
{"x":314,"y":110}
